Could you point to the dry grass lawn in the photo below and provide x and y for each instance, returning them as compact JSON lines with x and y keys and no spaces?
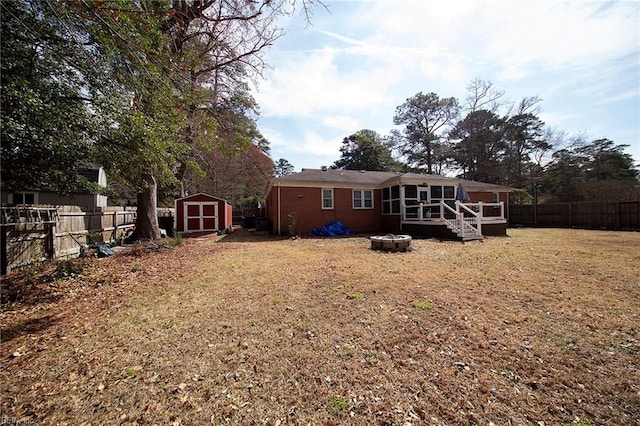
{"x":541,"y":327}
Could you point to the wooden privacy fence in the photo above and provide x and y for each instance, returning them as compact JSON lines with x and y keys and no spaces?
{"x":240,"y":214}
{"x":616,"y":215}
{"x":31,"y":234}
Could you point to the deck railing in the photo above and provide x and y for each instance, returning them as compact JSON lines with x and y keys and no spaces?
{"x":438,"y":212}
{"x":464,"y":219}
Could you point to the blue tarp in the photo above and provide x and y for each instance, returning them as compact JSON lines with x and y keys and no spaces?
{"x":102,"y":250}
{"x":333,"y":229}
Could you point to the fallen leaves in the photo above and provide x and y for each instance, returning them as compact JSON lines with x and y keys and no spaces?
{"x":260,"y":332}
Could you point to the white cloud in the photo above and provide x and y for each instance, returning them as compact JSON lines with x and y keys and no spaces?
{"x":303,"y":143}
{"x":305,"y":85}
{"x":559,"y":35}
{"x":319,"y":145}
{"x":342,"y":122}
{"x":511,"y":37}
{"x":350,"y":69}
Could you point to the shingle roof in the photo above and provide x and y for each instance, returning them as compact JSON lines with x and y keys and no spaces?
{"x":362,"y":177}
{"x":342,"y":176}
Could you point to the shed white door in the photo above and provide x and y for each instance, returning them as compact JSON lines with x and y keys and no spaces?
{"x":200,"y":216}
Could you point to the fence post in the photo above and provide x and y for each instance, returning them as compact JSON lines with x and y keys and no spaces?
{"x":114,"y":221}
{"x":49,"y":246}
{"x":3,"y":250}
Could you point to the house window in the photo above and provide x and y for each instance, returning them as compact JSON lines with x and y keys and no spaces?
{"x":410,"y":192}
{"x":327,"y":199}
{"x":395,"y":192}
{"x":496,"y":197}
{"x":391,"y":200}
{"x":436,"y":192}
{"x":386,"y":193}
{"x":443,"y":193}
{"x":23,"y":198}
{"x":362,"y":199}
{"x":449,"y":192}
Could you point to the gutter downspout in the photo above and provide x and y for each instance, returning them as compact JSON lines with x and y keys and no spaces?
{"x":279,"y":217}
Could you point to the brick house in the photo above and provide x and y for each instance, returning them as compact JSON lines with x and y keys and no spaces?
{"x":386,"y":202}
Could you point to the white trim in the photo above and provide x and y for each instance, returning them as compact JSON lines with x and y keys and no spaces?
{"x":279,"y":206}
{"x":427,"y":180}
{"x":333,"y":203}
{"x":175,"y":215}
{"x":391,"y":200}
{"x":211,"y":198}
{"x":362,"y":199}
{"x":200,"y":215}
{"x":325,"y":184}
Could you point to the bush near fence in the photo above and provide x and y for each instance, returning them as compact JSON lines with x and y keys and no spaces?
{"x":28,"y":238}
{"x":614,"y":215}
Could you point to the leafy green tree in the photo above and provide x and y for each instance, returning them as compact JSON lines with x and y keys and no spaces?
{"x":140,"y":111}
{"x":524,"y":135}
{"x":218,"y":46}
{"x":599,"y":170}
{"x":46,"y":126}
{"x":283,"y":167}
{"x":604,"y":160}
{"x":479,"y":148}
{"x":563,"y":178}
{"x":365,"y":150}
{"x":423,"y":117}
{"x":157,"y":80}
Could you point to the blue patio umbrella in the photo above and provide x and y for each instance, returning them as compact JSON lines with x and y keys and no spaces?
{"x":462,"y":194}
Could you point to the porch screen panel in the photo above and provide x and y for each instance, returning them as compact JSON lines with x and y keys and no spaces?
{"x":436,"y":193}
{"x":410,"y":191}
{"x":411,"y":201}
{"x":391,"y":200}
{"x":449,"y":192}
{"x":395,"y":192}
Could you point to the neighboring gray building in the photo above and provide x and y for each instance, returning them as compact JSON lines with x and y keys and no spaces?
{"x":85,"y":200}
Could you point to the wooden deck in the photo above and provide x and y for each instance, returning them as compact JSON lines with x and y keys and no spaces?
{"x":465,"y":221}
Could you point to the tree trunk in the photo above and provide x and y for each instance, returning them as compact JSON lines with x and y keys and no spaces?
{"x":147,"y":217}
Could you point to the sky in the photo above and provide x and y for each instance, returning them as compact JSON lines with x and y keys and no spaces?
{"x":357,"y":61}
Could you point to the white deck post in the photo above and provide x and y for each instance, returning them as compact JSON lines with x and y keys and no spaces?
{"x":480,"y":216}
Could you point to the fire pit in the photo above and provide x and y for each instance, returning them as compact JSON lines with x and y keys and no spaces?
{"x":391,"y":242}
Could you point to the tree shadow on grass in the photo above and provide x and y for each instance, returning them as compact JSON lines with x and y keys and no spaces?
{"x":29,"y":326}
{"x":244,"y":235}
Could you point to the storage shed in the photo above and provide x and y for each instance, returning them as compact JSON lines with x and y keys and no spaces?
{"x":202,"y":213}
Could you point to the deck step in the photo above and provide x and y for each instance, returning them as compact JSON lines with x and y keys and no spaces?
{"x":465,"y":236}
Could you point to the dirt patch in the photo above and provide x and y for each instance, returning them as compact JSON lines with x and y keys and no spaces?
{"x":540,"y":327}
